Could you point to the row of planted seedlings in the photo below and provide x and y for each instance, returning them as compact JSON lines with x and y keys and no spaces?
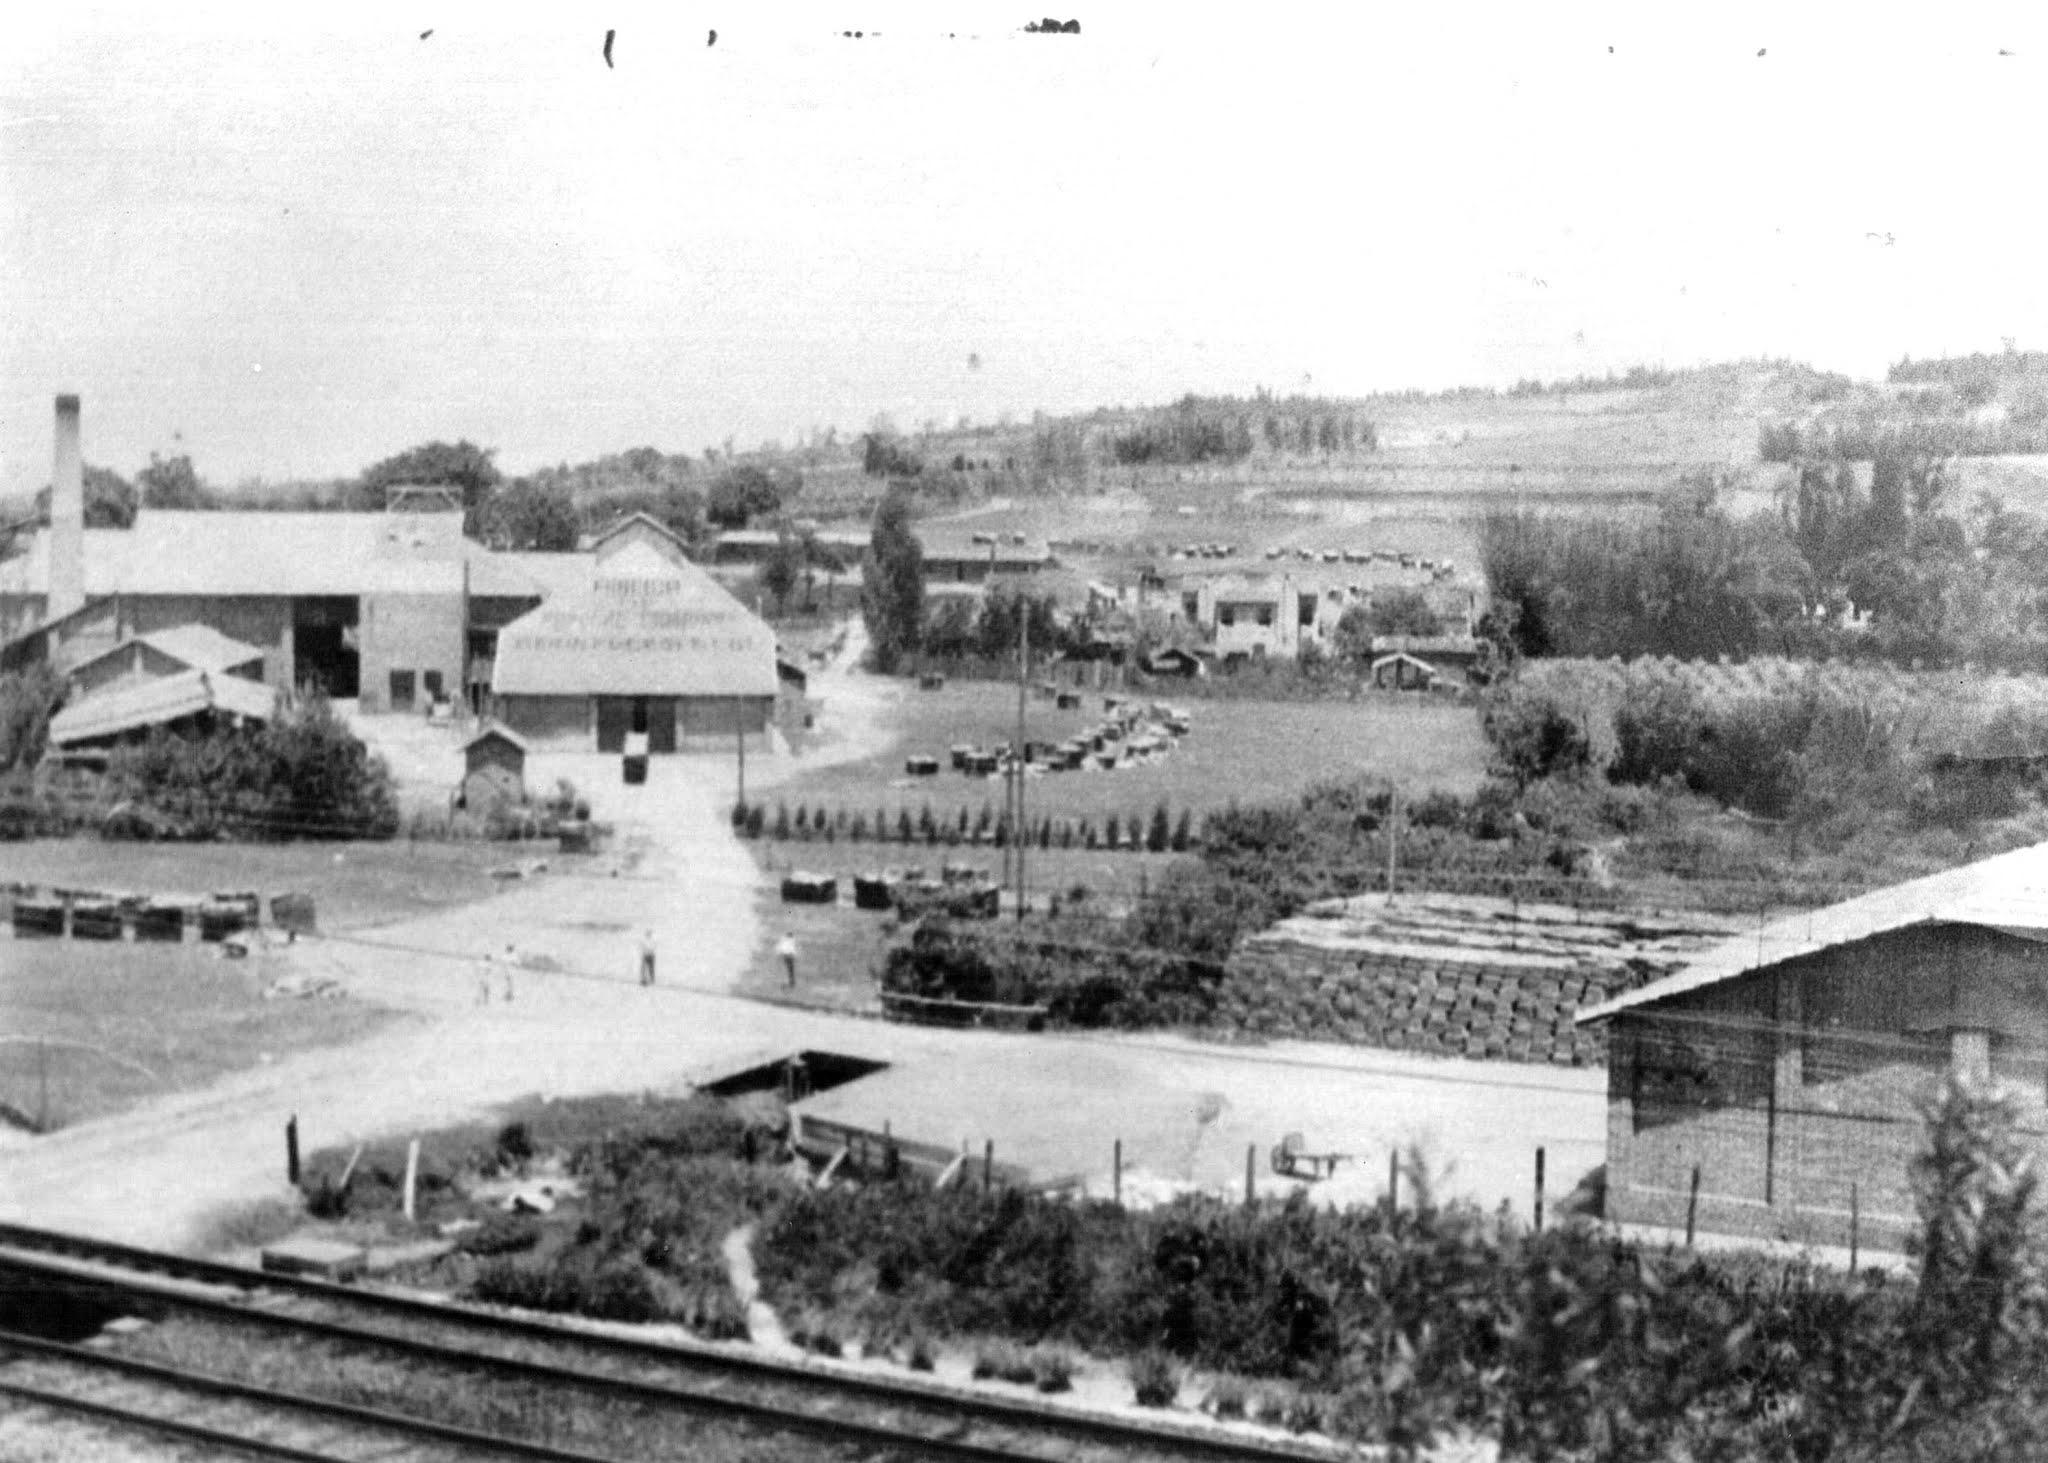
{"x":991,"y":827}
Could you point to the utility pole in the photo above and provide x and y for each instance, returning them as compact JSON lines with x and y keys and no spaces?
{"x":1023,"y":678}
{"x":739,"y":739}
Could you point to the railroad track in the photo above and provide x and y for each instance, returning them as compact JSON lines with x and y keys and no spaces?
{"x":547,"y":1374}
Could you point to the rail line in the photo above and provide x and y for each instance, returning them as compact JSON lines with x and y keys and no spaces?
{"x":836,"y":1410}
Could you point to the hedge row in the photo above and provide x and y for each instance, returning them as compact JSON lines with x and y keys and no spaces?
{"x":1132,"y":833}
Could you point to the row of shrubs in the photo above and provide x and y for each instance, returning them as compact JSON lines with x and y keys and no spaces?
{"x":1160,"y":834}
{"x":1393,"y":1326}
{"x":1567,"y":1342}
{"x":1806,"y":752}
{"x":1080,"y":983}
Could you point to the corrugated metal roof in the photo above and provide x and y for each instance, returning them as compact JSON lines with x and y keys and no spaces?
{"x":199,"y":646}
{"x":154,"y":702}
{"x":643,"y":624}
{"x":2008,"y":893}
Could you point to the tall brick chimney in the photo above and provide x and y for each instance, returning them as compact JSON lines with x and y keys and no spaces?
{"x":66,"y":581}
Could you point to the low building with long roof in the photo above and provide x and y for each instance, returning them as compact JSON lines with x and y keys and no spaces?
{"x":1773,"y":1087}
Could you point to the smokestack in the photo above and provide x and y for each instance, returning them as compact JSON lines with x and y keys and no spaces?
{"x":66,"y":581}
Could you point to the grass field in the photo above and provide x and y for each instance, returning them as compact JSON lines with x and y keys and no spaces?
{"x":1243,"y":751}
{"x":126,"y":1023}
{"x":353,"y":884}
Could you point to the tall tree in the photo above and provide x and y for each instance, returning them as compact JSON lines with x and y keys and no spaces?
{"x":109,"y":499}
{"x":740,"y":494}
{"x":892,"y":588}
{"x":526,"y":514}
{"x":461,"y":465}
{"x":172,"y":482}
{"x":781,"y":570}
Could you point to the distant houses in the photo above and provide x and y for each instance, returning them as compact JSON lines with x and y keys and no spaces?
{"x":1772,"y":1088}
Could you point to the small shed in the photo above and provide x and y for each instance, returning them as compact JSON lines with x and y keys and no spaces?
{"x":1172,"y":661}
{"x":1404,"y":672}
{"x":493,"y":766}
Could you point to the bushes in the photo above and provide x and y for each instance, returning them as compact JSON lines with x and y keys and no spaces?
{"x":1155,"y":1379}
{"x":502,"y":1234}
{"x":28,"y":699}
{"x":301,"y":775}
{"x":983,"y":825}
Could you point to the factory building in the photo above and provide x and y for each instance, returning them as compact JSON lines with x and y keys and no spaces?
{"x":396,"y":612}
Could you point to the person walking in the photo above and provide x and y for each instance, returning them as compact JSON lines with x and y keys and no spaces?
{"x":787,"y":950}
{"x":483,"y":979}
{"x":511,"y":962}
{"x":647,"y":957}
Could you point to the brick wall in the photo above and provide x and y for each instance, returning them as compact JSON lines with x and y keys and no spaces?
{"x":1796,"y":1092}
{"x":410,"y":632}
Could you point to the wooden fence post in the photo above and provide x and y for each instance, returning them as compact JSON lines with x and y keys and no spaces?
{"x":1394,"y":1182}
{"x":1116,"y":1172}
{"x":1539,"y":1189}
{"x":988,"y":1165}
{"x":412,"y":1177}
{"x":1251,"y":1153}
{"x":291,"y":1150}
{"x":1692,"y":1206}
{"x":1855,"y":1227}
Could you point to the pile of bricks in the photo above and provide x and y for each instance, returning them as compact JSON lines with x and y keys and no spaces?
{"x":1465,"y":978}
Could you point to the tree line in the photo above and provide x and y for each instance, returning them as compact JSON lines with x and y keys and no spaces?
{"x":1925,"y":581}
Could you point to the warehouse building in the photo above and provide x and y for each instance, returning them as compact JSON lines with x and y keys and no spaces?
{"x":650,"y":644}
{"x":1773,"y":1087}
{"x":396,"y":612}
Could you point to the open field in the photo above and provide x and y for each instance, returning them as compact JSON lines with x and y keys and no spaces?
{"x":127,"y":1023}
{"x":1243,"y":751}
{"x":353,"y":884}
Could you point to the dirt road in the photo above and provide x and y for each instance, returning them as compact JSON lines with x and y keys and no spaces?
{"x":578,"y":1021}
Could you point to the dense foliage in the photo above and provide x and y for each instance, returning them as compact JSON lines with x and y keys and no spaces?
{"x":28,"y":699}
{"x":530,"y":515}
{"x":1561,"y":1343}
{"x":1385,"y":1324}
{"x":303,"y":774}
{"x":1778,"y":739}
{"x":1693,"y":581}
{"x":460,"y":465}
{"x":109,"y":499}
{"x":741,"y":494}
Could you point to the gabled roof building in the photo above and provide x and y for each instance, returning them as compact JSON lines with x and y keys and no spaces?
{"x":1772,"y":1088}
{"x":395,"y":611}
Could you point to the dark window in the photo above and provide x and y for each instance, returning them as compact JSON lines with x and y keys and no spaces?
{"x":401,"y":690}
{"x":1265,"y":614}
{"x":431,"y":682}
{"x":1226,"y":616}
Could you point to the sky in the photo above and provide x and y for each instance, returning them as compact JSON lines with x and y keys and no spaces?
{"x":290,"y":247}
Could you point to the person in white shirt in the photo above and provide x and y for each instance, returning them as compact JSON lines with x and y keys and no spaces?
{"x":787,"y":950}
